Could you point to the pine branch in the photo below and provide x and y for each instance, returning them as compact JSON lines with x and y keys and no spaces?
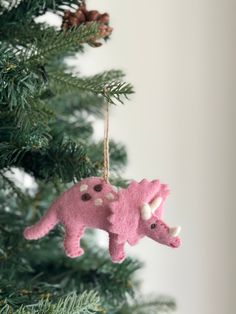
{"x":18,"y":84}
{"x":85,"y":303}
{"x":63,"y":159}
{"x":104,"y":84}
{"x":55,"y":43}
{"x":28,"y":9}
{"x":10,"y":155}
{"x":33,"y":119}
{"x":18,"y":26}
{"x":111,"y":75}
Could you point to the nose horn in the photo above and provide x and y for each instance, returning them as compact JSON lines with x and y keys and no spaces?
{"x":174,"y":231}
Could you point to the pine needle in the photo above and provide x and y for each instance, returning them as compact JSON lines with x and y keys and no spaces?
{"x":85,"y":303}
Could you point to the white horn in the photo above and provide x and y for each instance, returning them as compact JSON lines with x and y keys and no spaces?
{"x":174,"y":231}
{"x":156,"y":203}
{"x":146,"y":212}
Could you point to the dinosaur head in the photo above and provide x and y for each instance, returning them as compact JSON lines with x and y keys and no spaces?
{"x":138,"y":212}
{"x":155,"y":228}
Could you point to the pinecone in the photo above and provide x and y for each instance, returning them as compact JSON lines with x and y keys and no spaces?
{"x":82,"y":15}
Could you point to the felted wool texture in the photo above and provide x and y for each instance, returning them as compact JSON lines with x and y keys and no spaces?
{"x":125,"y":215}
{"x":94,"y":203}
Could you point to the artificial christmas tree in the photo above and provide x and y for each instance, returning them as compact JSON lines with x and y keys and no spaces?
{"x":46,"y":132}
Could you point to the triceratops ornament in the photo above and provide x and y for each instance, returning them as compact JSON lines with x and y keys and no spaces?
{"x":127,"y":215}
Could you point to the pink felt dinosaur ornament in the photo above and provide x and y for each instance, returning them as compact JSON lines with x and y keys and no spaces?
{"x":127,"y":215}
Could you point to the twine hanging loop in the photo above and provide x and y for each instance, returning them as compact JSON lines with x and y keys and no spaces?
{"x":106,"y":157}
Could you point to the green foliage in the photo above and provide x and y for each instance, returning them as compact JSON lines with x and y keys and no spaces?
{"x":24,"y":10}
{"x":85,"y":303}
{"x":105,"y":84}
{"x":53,"y":44}
{"x":18,"y":84}
{"x":46,"y":131}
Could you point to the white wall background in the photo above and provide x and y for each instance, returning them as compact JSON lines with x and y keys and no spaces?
{"x":179,"y":127}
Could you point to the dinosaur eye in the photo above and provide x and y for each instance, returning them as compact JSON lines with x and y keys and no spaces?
{"x":153,"y":226}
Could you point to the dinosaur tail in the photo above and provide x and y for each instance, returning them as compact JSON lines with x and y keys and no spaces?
{"x":46,"y":223}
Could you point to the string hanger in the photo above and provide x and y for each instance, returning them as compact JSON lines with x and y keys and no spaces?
{"x":106,"y":155}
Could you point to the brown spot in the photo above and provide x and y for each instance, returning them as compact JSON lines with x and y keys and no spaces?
{"x":98,"y":188}
{"x":86,"y":197}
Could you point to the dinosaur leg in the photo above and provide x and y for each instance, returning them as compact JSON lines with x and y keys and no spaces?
{"x":72,"y":241}
{"x":116,"y":249}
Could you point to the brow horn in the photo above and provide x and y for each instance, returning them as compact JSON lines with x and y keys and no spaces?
{"x":156,"y":203}
{"x":146,"y":212}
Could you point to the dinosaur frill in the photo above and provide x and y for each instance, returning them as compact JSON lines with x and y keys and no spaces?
{"x":124,"y":215}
